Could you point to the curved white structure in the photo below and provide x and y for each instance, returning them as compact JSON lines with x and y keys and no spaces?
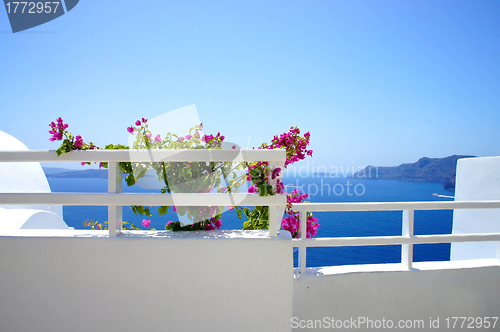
{"x":25,"y":178}
{"x":477,"y":179}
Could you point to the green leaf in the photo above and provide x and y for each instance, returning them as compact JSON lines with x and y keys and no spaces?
{"x":147,"y":213}
{"x":130,"y":179}
{"x":162,"y":210}
{"x":181,"y":210}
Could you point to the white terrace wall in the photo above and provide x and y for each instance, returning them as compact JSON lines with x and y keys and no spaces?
{"x":477,"y":179}
{"x":415,"y":297}
{"x":156,"y":281}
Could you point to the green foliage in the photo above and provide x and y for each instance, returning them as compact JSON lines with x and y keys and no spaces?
{"x":96,"y":225}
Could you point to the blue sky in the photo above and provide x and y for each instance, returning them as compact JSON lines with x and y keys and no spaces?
{"x":375,"y":82}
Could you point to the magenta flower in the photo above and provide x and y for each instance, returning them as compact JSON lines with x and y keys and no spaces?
{"x":276,"y":173}
{"x":252,"y":189}
{"x":78,"y":141}
{"x":130,"y":129}
{"x":218,"y":223}
{"x":280,"y":187}
{"x":138,"y":123}
{"x":230,"y":208}
{"x":209,"y":227}
{"x":144,"y":120}
{"x":146,"y":223}
{"x":57,"y":136}
{"x":149,"y":135}
{"x":158,"y":138}
{"x":188,"y":137}
{"x":174,"y":208}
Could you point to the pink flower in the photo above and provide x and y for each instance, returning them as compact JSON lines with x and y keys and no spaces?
{"x":280,"y":187}
{"x":138,"y":123}
{"x":252,"y":189}
{"x":174,"y":208}
{"x":230,"y":208}
{"x":83,"y":163}
{"x":276,"y":172}
{"x":78,"y":141}
{"x":158,"y":138}
{"x":144,"y":120}
{"x":209,"y":227}
{"x":218,"y":223}
{"x":58,"y":136}
{"x":149,"y":135}
{"x":188,"y":137}
{"x":146,"y":223}
{"x":234,"y":147}
{"x":130,"y":129}
{"x":180,"y":139}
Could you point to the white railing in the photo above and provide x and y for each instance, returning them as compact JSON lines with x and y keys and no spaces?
{"x":115,"y":199}
{"x":407,"y":239}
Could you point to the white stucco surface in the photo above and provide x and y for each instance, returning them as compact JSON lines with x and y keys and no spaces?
{"x":430,"y":291}
{"x":477,"y":179}
{"x":25,"y":178}
{"x":145,"y":281}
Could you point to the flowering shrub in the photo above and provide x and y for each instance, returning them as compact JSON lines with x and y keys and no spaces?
{"x":203,"y":177}
{"x":261,"y":176}
{"x":125,"y":225}
{"x":70,"y":142}
{"x":292,"y":222}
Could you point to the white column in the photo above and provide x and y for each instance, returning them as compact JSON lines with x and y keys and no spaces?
{"x":407,"y":249}
{"x":303,"y":236}
{"x":114,"y":211}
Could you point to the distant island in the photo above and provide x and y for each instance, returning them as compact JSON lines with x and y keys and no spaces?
{"x":51,"y":172}
{"x":440,"y":170}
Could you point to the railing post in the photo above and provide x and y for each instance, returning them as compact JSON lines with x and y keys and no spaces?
{"x":275,"y":212}
{"x":115,"y":212}
{"x":303,"y":236}
{"x":273,"y":221}
{"x":407,"y":249}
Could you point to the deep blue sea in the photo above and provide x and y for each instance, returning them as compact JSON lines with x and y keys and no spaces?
{"x":320,"y":189}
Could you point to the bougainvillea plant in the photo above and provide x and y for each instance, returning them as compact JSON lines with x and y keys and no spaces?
{"x":203,"y":177}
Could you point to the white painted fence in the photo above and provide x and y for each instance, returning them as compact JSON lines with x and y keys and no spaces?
{"x":115,"y":199}
{"x":407,"y":240}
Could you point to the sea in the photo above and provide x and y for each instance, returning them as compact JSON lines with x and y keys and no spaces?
{"x":332,"y":224}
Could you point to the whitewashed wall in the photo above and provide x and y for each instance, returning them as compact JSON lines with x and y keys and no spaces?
{"x":203,"y":281}
{"x":477,"y":179}
{"x":439,"y":290}
{"x":25,"y":178}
